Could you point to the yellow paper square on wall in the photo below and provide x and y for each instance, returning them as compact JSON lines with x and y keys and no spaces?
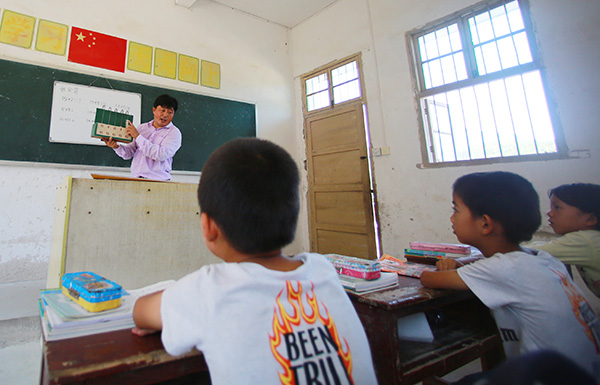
{"x":139,"y":58}
{"x":189,"y":68}
{"x":165,"y":63}
{"x":17,"y":29}
{"x":211,"y":74}
{"x":51,"y":37}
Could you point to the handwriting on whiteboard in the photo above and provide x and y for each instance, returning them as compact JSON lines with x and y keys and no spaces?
{"x":74,"y":109}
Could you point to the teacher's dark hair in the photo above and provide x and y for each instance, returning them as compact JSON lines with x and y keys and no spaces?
{"x":166,"y":101}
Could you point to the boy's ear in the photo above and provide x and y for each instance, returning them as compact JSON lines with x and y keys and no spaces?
{"x":487,"y":224}
{"x":210,"y":230}
{"x":592,"y":220}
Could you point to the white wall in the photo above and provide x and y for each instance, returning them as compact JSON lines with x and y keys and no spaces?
{"x":255,"y":67}
{"x":415,"y":204}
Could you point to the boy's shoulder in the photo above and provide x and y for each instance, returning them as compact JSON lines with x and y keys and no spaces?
{"x":514,"y":260}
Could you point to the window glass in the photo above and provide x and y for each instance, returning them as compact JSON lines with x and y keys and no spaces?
{"x":342,"y":82}
{"x":478,"y":119}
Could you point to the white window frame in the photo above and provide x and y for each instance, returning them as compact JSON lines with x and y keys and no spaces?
{"x":326,"y":70}
{"x":474,"y":79}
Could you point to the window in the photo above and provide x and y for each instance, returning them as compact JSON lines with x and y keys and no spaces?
{"x":339,"y":83}
{"x":480,"y":88}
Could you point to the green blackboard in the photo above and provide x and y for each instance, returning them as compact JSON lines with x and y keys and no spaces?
{"x":26,"y":101}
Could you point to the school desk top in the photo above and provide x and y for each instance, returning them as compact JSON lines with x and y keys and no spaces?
{"x":116,"y":358}
{"x":462,"y":326}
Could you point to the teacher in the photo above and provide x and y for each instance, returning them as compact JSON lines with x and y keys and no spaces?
{"x":154,"y":143}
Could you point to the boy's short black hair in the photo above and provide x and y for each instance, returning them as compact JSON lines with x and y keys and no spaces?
{"x":505,"y":197}
{"x":584,"y":196}
{"x":166,"y":101}
{"x":249,"y":187}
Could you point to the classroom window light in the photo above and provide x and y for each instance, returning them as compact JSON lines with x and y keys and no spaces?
{"x":338,"y":85}
{"x":481,"y":90}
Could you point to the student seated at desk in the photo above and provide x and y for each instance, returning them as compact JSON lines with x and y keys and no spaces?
{"x":575,"y":214}
{"x":260,"y":317}
{"x":535,"y":303}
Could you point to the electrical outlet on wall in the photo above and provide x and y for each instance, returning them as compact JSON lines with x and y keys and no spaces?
{"x":379,"y":151}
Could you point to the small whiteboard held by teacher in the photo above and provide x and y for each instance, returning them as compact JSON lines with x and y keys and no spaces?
{"x":74,"y":109}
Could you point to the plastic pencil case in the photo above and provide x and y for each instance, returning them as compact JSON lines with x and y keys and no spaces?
{"x":91,"y":291}
{"x":355,"y":267}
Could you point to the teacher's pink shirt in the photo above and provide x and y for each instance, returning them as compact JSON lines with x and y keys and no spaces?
{"x":152,"y":151}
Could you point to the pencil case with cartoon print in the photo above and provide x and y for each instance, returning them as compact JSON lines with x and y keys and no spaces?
{"x":91,"y":291}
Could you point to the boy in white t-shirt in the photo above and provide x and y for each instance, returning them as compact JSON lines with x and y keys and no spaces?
{"x":535,"y":303}
{"x":260,"y":317}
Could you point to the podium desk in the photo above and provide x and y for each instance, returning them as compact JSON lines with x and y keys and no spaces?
{"x":119,"y":357}
{"x":462,"y":326}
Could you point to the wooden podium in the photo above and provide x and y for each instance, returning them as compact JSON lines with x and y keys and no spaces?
{"x":133,"y":232}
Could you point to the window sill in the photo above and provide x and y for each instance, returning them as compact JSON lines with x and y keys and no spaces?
{"x":575,"y":154}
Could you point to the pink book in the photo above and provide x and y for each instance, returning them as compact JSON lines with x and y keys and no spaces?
{"x":443,"y":247}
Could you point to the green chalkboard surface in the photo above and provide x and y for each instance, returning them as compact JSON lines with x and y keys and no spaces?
{"x":26,"y":101}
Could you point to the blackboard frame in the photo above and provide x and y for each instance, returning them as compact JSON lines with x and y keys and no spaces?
{"x":25,"y":105}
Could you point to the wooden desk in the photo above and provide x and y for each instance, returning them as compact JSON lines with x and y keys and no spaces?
{"x":463,"y":330}
{"x":118,"y":358}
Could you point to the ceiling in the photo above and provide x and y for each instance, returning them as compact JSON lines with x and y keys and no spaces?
{"x":287,"y":13}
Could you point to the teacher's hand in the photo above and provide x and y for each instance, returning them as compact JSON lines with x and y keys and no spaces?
{"x":110,"y":142}
{"x":131,"y":130}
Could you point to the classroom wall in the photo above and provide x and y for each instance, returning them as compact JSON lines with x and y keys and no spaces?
{"x":255,"y":67}
{"x":414,"y":203}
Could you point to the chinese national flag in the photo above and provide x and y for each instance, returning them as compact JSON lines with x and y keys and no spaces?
{"x":97,"y":49}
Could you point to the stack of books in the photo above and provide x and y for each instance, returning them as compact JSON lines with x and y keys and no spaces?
{"x":360,"y":276}
{"x":429,"y":253}
{"x":63,"y":318}
{"x":363,"y":286}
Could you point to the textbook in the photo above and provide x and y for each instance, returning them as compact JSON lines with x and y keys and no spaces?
{"x":398,"y":266}
{"x":443,"y":247}
{"x":111,"y":124}
{"x":63,"y":318}
{"x":362,"y":286}
{"x":432,"y":253}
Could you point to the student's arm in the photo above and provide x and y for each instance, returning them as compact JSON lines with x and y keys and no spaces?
{"x":146,"y":314}
{"x":447,"y":279}
{"x":452,"y":263}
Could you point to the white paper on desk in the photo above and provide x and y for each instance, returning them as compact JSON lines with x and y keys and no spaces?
{"x":415,"y":328}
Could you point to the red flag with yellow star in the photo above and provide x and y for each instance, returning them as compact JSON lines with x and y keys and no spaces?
{"x":97,"y":49}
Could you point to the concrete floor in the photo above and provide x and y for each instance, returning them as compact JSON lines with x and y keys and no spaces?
{"x":20,"y":364}
{"x":20,"y":334}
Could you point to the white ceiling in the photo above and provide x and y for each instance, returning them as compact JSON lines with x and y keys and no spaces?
{"x":288,"y":13}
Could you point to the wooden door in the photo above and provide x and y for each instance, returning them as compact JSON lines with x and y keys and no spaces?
{"x":339,"y":183}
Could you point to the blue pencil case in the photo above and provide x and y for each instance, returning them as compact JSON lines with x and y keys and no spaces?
{"x":93,"y":292}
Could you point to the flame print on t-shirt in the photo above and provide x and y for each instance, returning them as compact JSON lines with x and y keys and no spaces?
{"x":305,"y":340}
{"x":582,"y":310}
